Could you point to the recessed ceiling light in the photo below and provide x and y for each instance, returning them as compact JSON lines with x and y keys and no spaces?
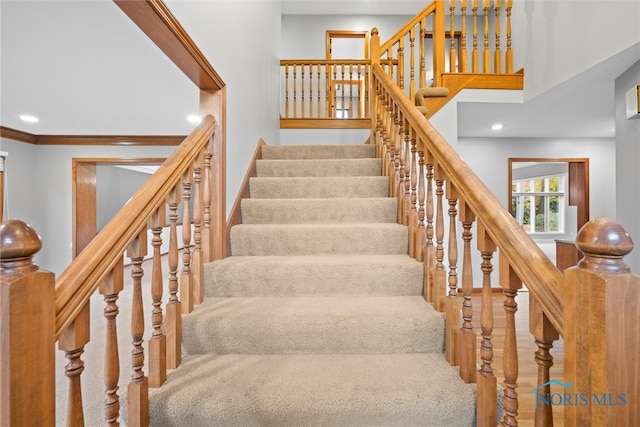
{"x":194,"y":118}
{"x":497,"y":126}
{"x":29,"y":119}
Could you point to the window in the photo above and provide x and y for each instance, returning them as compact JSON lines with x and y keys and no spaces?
{"x":538,"y":203}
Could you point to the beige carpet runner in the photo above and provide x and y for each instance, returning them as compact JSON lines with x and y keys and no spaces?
{"x":317,"y":317}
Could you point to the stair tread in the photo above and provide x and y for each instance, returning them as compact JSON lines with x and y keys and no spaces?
{"x":319,"y":239}
{"x":324,"y":389}
{"x":319,"y":210}
{"x":319,"y":187}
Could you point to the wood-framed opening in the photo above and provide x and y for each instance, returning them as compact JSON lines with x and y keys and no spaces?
{"x":84,"y":195}
{"x":346,"y":95}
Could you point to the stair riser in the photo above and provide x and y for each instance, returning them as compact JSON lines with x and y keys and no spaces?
{"x":305,"y":187}
{"x":314,"y":325}
{"x":296,"y":211}
{"x":252,"y":240}
{"x":318,"y":168}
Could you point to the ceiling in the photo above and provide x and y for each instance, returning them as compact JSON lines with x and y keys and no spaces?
{"x":35,"y":82}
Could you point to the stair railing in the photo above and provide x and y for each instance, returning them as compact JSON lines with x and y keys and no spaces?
{"x":325,"y":93}
{"x":456,"y":33}
{"x":594,"y":305}
{"x":38,"y":312}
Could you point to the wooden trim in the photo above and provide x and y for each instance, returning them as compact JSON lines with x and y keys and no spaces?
{"x":17,"y":135}
{"x":346,"y":34}
{"x":163,"y":140}
{"x":364,"y":123}
{"x":150,"y":140}
{"x":577,"y":185}
{"x":157,"y":22}
{"x":128,"y":140}
{"x":235,"y":216}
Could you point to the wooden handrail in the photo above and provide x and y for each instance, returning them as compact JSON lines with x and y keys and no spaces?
{"x":524,"y":256}
{"x":79,"y":281}
{"x":407,"y":27}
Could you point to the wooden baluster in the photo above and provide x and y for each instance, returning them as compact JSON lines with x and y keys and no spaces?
{"x":138,"y":390}
{"x":510,"y":283}
{"x":334,"y":101}
{"x":439,"y":33}
{"x":439,"y":275}
{"x":327,"y":91}
{"x":110,"y":289}
{"x":351,"y":107}
{"x":467,"y":334}
{"x":452,"y":350}
{"x":408,"y":166}
{"x":311,"y":90}
{"x":173,"y":310}
{"x":453,"y":58}
{"x":319,"y":111}
{"x":430,"y":249}
{"x":295,"y":93}
{"x":342,"y":92}
{"x":462,"y":66}
{"x":401,"y":63}
{"x":302,"y":103}
{"x":497,"y":55}
{"x":286,"y":90}
{"x":197,"y":262}
{"x":360,"y":93}
{"x":413,"y":198}
{"x":391,"y":147}
{"x":27,"y":320}
{"x":486,"y":64}
{"x":474,"y":50}
{"x":412,"y":65}
{"x":545,"y":334}
{"x":366,"y":91}
{"x":509,"y":54}
{"x":158,"y":341}
{"x":487,"y":381}
{"x":421,"y":231}
{"x":423,"y":61}
{"x":390,"y":62}
{"x":207,"y":250}
{"x":398,"y":144}
{"x":72,"y":342}
{"x":186,"y":283}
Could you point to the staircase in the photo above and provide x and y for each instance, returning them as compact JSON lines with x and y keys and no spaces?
{"x":317,"y":317}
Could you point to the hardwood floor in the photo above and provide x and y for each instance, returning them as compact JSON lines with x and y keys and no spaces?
{"x":528,"y":369}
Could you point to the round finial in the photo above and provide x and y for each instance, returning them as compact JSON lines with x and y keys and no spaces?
{"x":604,"y":243}
{"x":18,"y":240}
{"x":374,"y":31}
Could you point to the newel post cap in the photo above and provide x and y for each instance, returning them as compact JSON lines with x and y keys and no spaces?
{"x":604,"y":243}
{"x":18,"y":244}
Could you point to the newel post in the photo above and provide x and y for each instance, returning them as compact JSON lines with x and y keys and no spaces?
{"x":602,"y":330}
{"x":27,"y":319}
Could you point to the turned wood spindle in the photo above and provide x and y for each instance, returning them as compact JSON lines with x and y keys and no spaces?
{"x":173,"y":310}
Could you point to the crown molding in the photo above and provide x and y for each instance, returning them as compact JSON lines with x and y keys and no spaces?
{"x":118,"y":140}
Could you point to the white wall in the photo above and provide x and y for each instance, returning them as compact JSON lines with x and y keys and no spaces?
{"x":39,"y":191}
{"x":627,"y":161}
{"x":555,"y":40}
{"x":244,"y":48}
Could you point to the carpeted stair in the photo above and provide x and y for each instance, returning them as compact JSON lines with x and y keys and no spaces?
{"x":317,"y":317}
